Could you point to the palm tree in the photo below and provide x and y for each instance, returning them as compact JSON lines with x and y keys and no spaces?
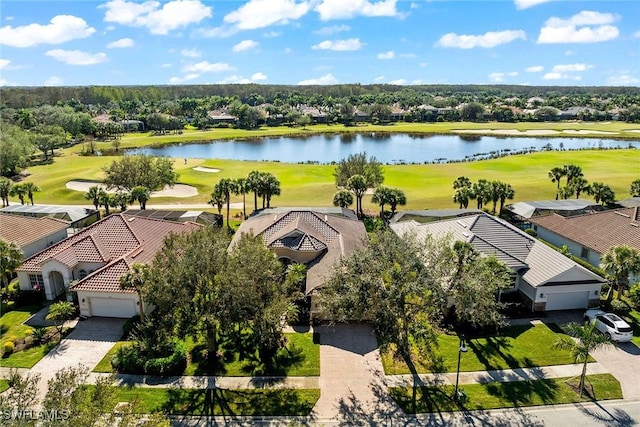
{"x":343,"y":199}
{"x":253,"y":184}
{"x":5,"y":190}
{"x":358,"y":184}
{"x":106,"y":201}
{"x":18,"y":191}
{"x":142,"y":195}
{"x":10,"y":259}
{"x":269,"y":186}
{"x":566,"y":192}
{"x":225,"y":187}
{"x":120,"y":200}
{"x":555,"y":175}
{"x":461,"y":181}
{"x":94,"y":195}
{"x":30,"y":188}
{"x":26,"y":118}
{"x":217,"y":200}
{"x":572,"y":172}
{"x":620,"y":262}
{"x":481,"y":192}
{"x":135,"y":279}
{"x":381,"y":196}
{"x":586,"y":339}
{"x":396,"y":197}
{"x":506,"y":192}
{"x":462,"y":196}
{"x":601,"y":193}
{"x":579,"y":184}
{"x":242,"y":187}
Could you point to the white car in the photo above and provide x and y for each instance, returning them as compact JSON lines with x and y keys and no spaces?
{"x":610,"y":324}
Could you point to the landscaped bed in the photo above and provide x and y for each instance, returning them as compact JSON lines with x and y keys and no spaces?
{"x":516,"y":347}
{"x":24,"y":353}
{"x":221,"y":402}
{"x":506,"y":395}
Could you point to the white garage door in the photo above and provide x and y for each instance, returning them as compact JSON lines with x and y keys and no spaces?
{"x":567,"y":300}
{"x":112,"y":307}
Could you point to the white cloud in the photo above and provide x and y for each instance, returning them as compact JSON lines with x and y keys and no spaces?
{"x":386,"y":55}
{"x":554,"y":75}
{"x":341,"y":9}
{"x":288,"y":50}
{"x":166,"y":65}
{"x":177,"y":80}
{"x":339,"y":45}
{"x":256,"y":77}
{"x":191,"y":53}
{"x":216,"y":32}
{"x":263,"y":13}
{"x":571,"y":67}
{"x":499,"y":77}
{"x":636,"y":35}
{"x":207,"y":67}
{"x":53,"y":81}
{"x":525,"y":4}
{"x":378,"y":79}
{"x":61,"y":29}
{"x":584,"y":27}
{"x":399,"y":82}
{"x":486,"y":40}
{"x":4,"y":63}
{"x":327,"y":79}
{"x":623,"y":80}
{"x":122,"y":43}
{"x":245,"y":45}
{"x":334,"y":29}
{"x":569,"y":53}
{"x":77,"y":57}
{"x":234,"y":79}
{"x":535,"y":69}
{"x":158,"y":20}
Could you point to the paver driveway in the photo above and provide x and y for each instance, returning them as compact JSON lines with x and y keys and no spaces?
{"x":86,"y":345}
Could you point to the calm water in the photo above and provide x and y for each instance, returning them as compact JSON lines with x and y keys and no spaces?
{"x":387,"y":148}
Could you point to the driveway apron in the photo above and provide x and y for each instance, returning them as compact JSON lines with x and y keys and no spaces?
{"x":623,"y":362}
{"x":86,"y":345}
{"x":351,"y":374}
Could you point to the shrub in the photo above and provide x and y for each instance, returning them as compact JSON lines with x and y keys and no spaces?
{"x":128,"y":360}
{"x":8,"y":347}
{"x":174,"y":364}
{"x":621,"y":308}
{"x":129,"y":325}
{"x":634,"y":295}
{"x":531,"y":232}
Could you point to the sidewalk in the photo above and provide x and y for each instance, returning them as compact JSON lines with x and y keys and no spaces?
{"x":209,"y":382}
{"x":506,"y":375}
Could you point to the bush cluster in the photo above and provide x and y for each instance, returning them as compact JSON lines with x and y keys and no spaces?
{"x":130,"y":359}
{"x":620,"y":307}
{"x":634,"y":295}
{"x":8,"y":347}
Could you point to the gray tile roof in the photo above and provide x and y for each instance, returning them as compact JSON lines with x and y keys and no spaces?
{"x":529,"y":209}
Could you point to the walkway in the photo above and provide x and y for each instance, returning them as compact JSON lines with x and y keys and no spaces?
{"x":506,"y":375}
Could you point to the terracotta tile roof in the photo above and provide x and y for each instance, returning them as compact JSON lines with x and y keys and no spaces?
{"x":117,"y":240}
{"x":597,"y":231}
{"x":24,"y":230}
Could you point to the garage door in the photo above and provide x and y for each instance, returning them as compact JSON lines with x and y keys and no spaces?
{"x":567,"y":300}
{"x":112,"y":307}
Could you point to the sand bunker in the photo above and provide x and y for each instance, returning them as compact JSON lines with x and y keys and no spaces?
{"x":206,"y":169}
{"x":633,"y":130}
{"x":178,"y":190}
{"x":586,"y":132}
{"x":509,"y":132}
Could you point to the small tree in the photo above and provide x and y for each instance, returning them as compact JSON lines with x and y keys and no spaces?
{"x":586,"y":339}
{"x":19,"y":191}
{"x":135,"y":279}
{"x":94,"y":195}
{"x":343,"y":199}
{"x":30,"y":188}
{"x":620,"y":262}
{"x":141,"y":195}
{"x":5,"y":190}
{"x":10,"y":259}
{"x":60,"y":312}
{"x":634,"y":190}
{"x":358,"y":184}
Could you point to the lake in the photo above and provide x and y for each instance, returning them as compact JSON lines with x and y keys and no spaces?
{"x":392,"y":148}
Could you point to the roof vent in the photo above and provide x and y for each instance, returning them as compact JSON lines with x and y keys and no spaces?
{"x":131,"y":219}
{"x":461,"y":224}
{"x":622,"y":214}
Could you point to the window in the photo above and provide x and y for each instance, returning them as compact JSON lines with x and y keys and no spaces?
{"x":82,"y":274}
{"x":36,"y":280}
{"x":584,"y":252}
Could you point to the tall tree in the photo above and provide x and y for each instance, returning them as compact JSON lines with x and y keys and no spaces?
{"x":225,"y":187}
{"x":634,"y":189}
{"x":462,"y":196}
{"x":396,"y":198}
{"x":358,"y":164}
{"x":151,"y":172}
{"x":253,"y":183}
{"x":10,"y":259}
{"x":343,"y":199}
{"x":269,"y":187}
{"x":572,"y":172}
{"x":141,"y":194}
{"x":242,"y":187}
{"x":217,"y":200}
{"x":5,"y":190}
{"x":19,"y":191}
{"x":381,"y":196}
{"x":583,"y":340}
{"x":620,"y":262}
{"x":94,"y":194}
{"x":358,"y":184}
{"x":30,"y":188}
{"x":555,"y":175}
{"x":602,"y":193}
{"x":579,"y":185}
{"x":481,"y":192}
{"x":461,"y":181}
{"x":135,"y":279}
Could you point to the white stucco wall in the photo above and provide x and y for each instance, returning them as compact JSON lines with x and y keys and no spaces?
{"x":43,"y":243}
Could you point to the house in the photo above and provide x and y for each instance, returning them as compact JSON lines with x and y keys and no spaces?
{"x":630,"y":202}
{"x":219,"y":116}
{"x":429,"y":215}
{"x":30,"y":233}
{"x":307,"y":236}
{"x":545,"y":279}
{"x":95,"y":259}
{"x":526,"y":210}
{"x":199,"y":217}
{"x":591,"y":235}
{"x":76,"y":217}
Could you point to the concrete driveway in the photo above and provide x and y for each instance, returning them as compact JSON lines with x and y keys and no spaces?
{"x":623,"y":362}
{"x":86,"y":345}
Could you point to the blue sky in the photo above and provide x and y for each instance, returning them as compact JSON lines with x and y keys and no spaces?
{"x":122,"y":42}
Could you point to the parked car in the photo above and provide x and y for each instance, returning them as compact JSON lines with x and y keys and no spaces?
{"x":610,"y":324}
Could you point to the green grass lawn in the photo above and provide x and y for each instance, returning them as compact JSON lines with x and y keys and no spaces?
{"x":506,"y":395}
{"x":301,"y":358}
{"x":4,"y":385}
{"x":27,"y":358}
{"x":105,"y":364}
{"x":221,"y":402}
{"x":517,"y":347}
{"x":11,"y":323}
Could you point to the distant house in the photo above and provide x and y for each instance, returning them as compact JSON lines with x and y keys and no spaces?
{"x":630,"y":202}
{"x":423,"y":216}
{"x":590,"y":236}
{"x":75,"y":216}
{"x":219,"y":116}
{"x":521,"y":212}
{"x":307,"y":236}
{"x":545,"y":279}
{"x":32,"y":234}
{"x":199,"y":217}
{"x":580,"y":113}
{"x":95,"y":258}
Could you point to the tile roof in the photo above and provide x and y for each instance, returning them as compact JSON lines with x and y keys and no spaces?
{"x":307,"y":230}
{"x":597,"y":231}
{"x":117,"y":240}
{"x":24,"y":230}
{"x":538,"y":263}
